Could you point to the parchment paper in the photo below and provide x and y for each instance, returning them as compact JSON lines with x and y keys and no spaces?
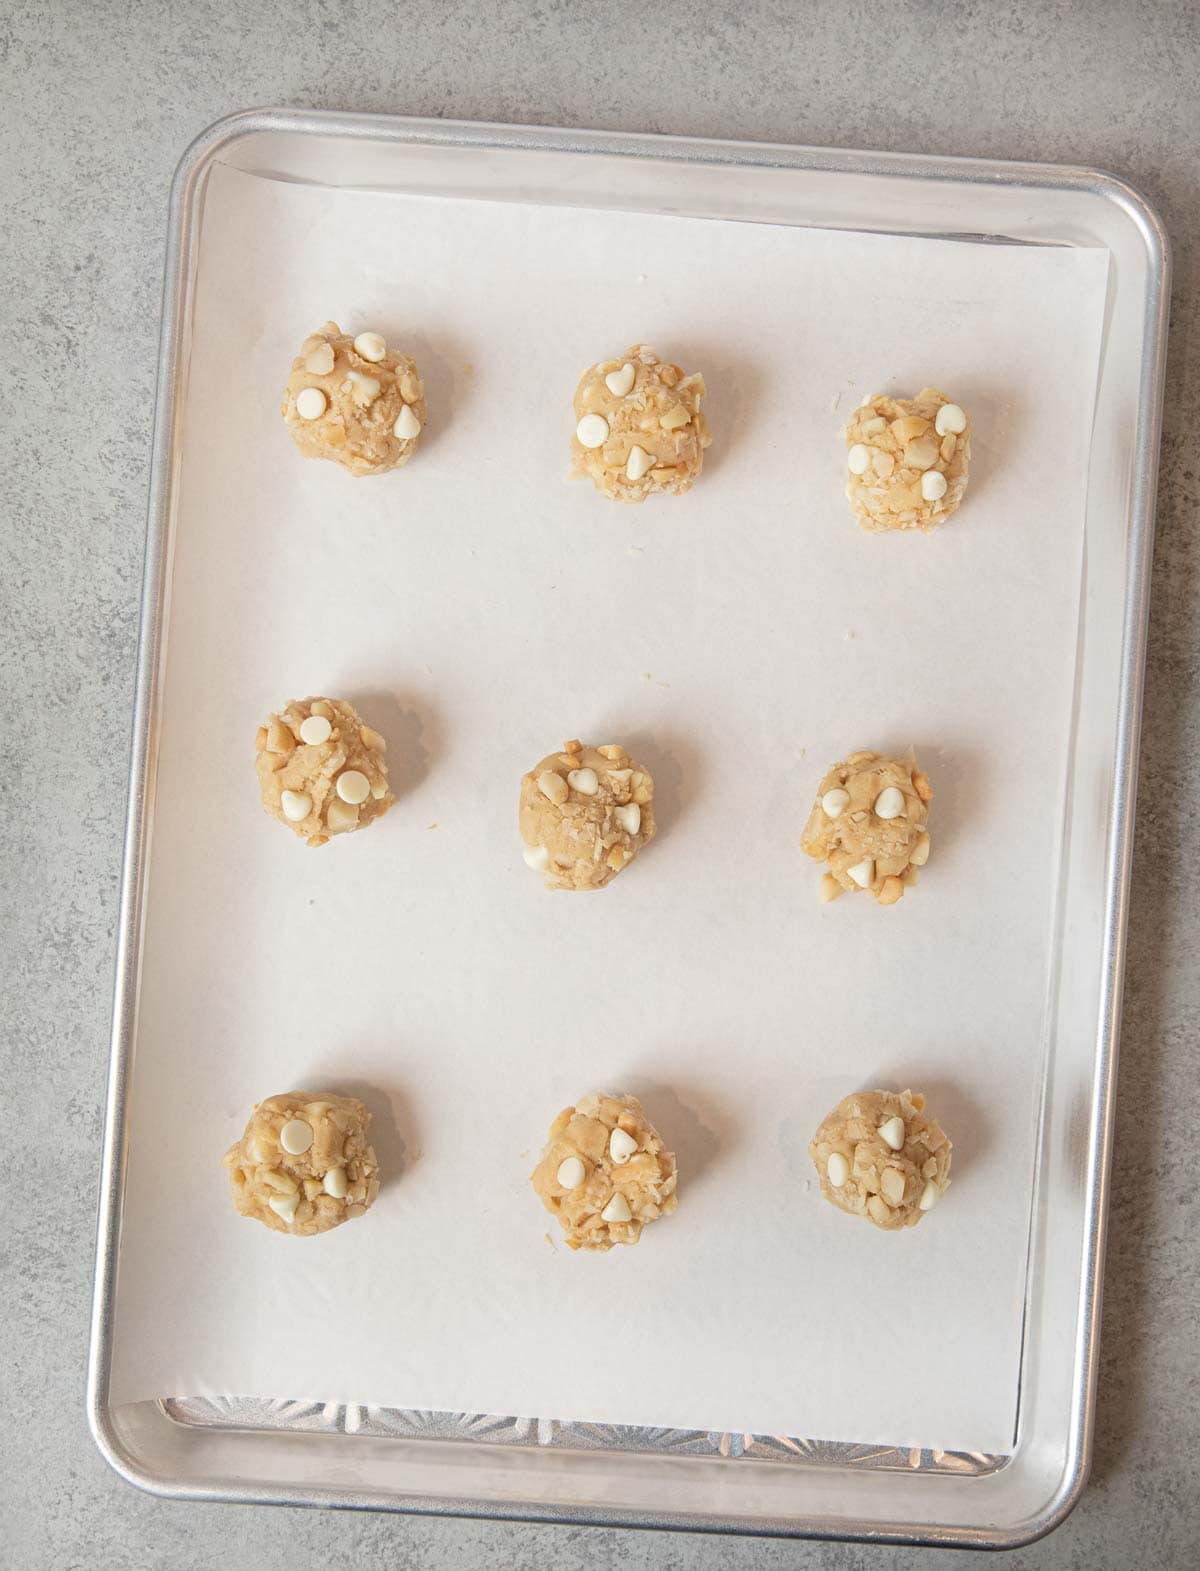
{"x":739,"y":640}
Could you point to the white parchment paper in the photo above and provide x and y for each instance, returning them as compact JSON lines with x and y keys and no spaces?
{"x":739,"y":640}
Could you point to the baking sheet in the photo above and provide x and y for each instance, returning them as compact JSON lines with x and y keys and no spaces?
{"x":740,"y":640}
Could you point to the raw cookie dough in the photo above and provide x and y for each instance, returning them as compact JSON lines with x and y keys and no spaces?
{"x":321,"y":769}
{"x":585,"y":814}
{"x":908,"y":460}
{"x":638,"y":426}
{"x":880,"y":1156}
{"x":605,"y":1172}
{"x":303,"y":1164}
{"x":354,"y":400}
{"x":868,"y":826}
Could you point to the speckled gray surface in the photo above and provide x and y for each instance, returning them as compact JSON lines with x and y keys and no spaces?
{"x":100,"y":98}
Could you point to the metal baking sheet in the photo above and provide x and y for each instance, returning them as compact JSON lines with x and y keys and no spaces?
{"x":795,"y":1489}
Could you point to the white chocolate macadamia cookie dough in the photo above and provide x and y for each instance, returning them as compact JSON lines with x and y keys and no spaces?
{"x":638,"y":426}
{"x":879,"y":1155}
{"x":303,"y":1164}
{"x":868,"y":826}
{"x":585,"y":814}
{"x":321,"y":769}
{"x":354,"y":400}
{"x":907,"y":459}
{"x":605,"y":1172}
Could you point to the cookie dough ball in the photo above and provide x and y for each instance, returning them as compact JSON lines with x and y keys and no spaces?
{"x":321,"y":769}
{"x":354,"y":400}
{"x":879,"y":1155}
{"x":605,"y":1172}
{"x":868,"y":826}
{"x":304,"y":1164}
{"x":585,"y":814}
{"x":908,"y":460}
{"x":638,"y":426}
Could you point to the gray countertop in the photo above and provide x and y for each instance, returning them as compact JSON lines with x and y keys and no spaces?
{"x":100,"y":100}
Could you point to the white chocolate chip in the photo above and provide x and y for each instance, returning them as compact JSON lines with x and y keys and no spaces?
{"x":617,"y":1209}
{"x":629,"y":817}
{"x":311,"y":403}
{"x":584,"y":781}
{"x":296,"y":1136}
{"x":335,"y":1183}
{"x":407,"y":425}
{"x":933,"y":485}
{"x":341,"y":816}
{"x":620,"y":382}
{"x":837,"y":1169}
{"x":892,"y":1133}
{"x":862,"y":872}
{"x":571,"y":1172}
{"x":621,"y":1146}
{"x":285,"y":1205}
{"x":592,"y":431}
{"x":835,"y":802}
{"x":362,"y":388}
{"x":315,"y":730}
{"x":536,"y":857}
{"x":319,"y":361}
{"x":640,"y":463}
{"x":929,"y":1197}
{"x":858,"y":459}
{"x":296,"y":805}
{"x":353,"y":786}
{"x":890,"y":803}
{"x":950,"y":420}
{"x":371,"y":346}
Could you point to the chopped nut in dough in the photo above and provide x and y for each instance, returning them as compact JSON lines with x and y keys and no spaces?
{"x":639,"y":428}
{"x":907,"y":460}
{"x":880,"y":1155}
{"x":321,"y":770}
{"x":355,"y":401}
{"x":585,"y":814}
{"x":868,"y":826}
{"x":605,"y":1172}
{"x":303,"y":1164}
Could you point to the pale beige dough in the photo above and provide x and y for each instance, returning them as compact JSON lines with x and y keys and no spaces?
{"x":638,"y":1174}
{"x":332,"y":1180}
{"x":863,"y":850}
{"x":902,"y":443}
{"x":310,"y":778}
{"x":659,"y":415}
{"x":585,"y":813}
{"x":364,"y":399}
{"x":891,"y":1187}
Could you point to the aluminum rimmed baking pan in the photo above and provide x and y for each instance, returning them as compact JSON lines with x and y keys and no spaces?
{"x":768,"y":212}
